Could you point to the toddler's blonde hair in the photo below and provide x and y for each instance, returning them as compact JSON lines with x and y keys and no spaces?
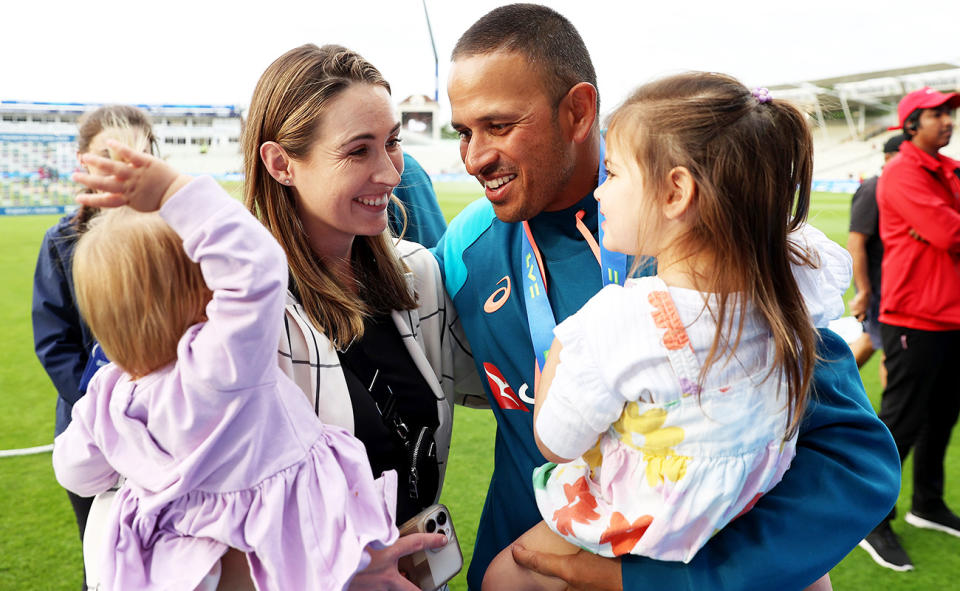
{"x":137,"y":289}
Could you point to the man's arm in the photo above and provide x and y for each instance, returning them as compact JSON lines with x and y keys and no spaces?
{"x":857,"y":247}
{"x":843,"y":481}
{"x":912,"y":193}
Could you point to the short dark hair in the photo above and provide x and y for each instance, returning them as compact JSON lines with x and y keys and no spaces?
{"x":892,"y":145}
{"x":912,"y":122}
{"x":544,"y":36}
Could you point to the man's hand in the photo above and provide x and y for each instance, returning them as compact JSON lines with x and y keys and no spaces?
{"x":917,"y":237}
{"x":382,"y":574}
{"x":858,"y":305}
{"x":582,"y":571}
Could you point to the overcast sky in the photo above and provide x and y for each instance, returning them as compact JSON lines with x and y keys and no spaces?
{"x":203,"y":52}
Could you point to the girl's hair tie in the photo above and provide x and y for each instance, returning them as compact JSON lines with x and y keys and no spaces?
{"x":761,"y":94}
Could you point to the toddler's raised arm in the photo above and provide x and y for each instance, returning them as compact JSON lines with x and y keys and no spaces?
{"x":138,"y":180}
{"x":241,"y":263}
{"x":246,"y":269}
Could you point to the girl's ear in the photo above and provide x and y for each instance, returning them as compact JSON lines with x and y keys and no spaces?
{"x":683,"y":193}
{"x":277,"y":161}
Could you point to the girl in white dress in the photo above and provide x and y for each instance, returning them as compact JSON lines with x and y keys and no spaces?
{"x":669,"y":405}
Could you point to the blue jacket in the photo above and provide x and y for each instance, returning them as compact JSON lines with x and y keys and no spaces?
{"x":425,"y":221}
{"x":844,"y":480}
{"x":63,"y":342}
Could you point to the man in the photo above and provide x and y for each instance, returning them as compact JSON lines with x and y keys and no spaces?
{"x":866,"y":249}
{"x":919,"y":200}
{"x":523,"y":94}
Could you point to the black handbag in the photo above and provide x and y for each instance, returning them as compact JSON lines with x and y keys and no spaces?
{"x":423,"y":476}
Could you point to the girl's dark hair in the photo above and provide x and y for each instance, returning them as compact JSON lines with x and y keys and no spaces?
{"x":752,"y":162}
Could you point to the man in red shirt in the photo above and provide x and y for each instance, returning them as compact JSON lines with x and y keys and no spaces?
{"x":919,"y":201}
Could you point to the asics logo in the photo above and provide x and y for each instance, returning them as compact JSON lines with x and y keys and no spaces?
{"x":502,"y":392}
{"x":499,"y":297}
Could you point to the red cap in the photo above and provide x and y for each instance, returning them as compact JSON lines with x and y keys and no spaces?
{"x":924,"y":98}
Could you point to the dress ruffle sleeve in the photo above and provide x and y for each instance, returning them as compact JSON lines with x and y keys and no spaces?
{"x":822,"y":287}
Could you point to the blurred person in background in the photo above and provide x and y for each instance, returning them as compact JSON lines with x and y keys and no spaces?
{"x":918,"y":196}
{"x":63,"y":342}
{"x":865,"y":247}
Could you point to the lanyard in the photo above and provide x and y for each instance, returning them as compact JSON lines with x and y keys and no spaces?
{"x":613,"y":265}
{"x":540,"y":318}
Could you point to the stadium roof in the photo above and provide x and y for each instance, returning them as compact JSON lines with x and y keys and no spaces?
{"x":875,"y":93}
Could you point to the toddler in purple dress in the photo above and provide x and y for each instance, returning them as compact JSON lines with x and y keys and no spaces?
{"x":184,"y":289}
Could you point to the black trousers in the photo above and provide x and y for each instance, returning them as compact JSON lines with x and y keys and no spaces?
{"x":921,"y":402}
{"x":81,"y":509}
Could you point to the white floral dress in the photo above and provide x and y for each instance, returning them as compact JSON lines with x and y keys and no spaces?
{"x":672,"y":465}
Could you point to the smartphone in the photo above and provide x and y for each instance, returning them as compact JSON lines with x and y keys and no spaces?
{"x":430,"y":569}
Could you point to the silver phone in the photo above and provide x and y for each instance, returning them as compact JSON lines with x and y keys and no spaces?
{"x":430,"y":569}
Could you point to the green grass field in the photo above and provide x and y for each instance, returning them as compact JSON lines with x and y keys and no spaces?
{"x":39,"y":548}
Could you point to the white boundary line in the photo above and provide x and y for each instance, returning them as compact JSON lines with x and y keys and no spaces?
{"x":9,"y":453}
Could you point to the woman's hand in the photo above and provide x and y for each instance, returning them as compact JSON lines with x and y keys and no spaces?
{"x":382,"y":574}
{"x":582,"y":571}
{"x":139,"y":180}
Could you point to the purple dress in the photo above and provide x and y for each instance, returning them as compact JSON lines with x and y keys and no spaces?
{"x":220,"y":448}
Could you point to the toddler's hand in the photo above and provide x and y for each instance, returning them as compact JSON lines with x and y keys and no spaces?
{"x":139,"y":180}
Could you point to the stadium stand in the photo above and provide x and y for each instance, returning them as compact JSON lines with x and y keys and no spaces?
{"x":38,"y":151}
{"x":850,"y":115}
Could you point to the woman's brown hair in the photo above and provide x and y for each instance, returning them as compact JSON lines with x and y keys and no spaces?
{"x":752,"y":160}
{"x":287,"y":105}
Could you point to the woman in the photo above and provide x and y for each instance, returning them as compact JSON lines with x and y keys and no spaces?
{"x":62,"y":341}
{"x":365,"y":313}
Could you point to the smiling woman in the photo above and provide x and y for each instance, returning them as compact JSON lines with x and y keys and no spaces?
{"x":343,"y":185}
{"x":365,"y":311}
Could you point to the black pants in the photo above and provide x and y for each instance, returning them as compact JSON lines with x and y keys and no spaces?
{"x":81,"y":509}
{"x":921,"y":402}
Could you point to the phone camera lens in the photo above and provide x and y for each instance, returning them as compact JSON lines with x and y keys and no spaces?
{"x":441,"y":518}
{"x":431,"y":526}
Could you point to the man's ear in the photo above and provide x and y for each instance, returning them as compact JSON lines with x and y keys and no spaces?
{"x":277,"y":161}
{"x":578,"y":111}
{"x":683,"y":193}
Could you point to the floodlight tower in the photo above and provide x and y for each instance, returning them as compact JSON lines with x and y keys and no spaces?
{"x":436,"y":60}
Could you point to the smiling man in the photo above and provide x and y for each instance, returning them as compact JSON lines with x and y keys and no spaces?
{"x":532,"y":150}
{"x":918,"y":196}
{"x":523,"y":95}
